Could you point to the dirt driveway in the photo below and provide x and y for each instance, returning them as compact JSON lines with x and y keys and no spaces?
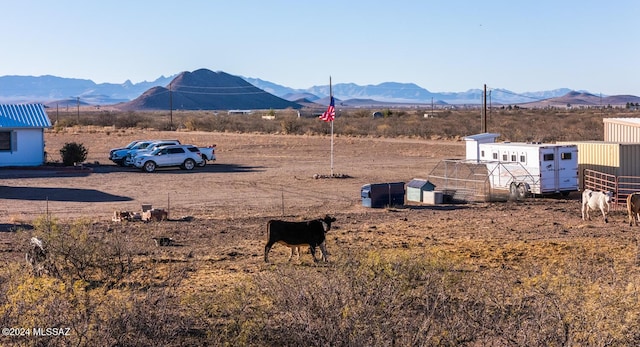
{"x":255,"y":175}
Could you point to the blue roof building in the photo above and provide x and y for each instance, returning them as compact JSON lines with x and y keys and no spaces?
{"x":22,"y":134}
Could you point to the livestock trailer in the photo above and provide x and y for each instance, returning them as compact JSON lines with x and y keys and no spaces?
{"x":382,"y":194}
{"x":531,"y":168}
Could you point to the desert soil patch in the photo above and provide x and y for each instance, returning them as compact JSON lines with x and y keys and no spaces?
{"x":218,"y":213}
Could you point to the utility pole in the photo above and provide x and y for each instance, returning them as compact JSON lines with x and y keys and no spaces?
{"x":484,"y":110}
{"x":170,"y":107}
{"x":490,"y":105}
{"x":432,"y":106}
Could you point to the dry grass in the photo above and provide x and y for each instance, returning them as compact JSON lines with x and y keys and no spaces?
{"x":544,"y":125}
{"x":468,"y":276}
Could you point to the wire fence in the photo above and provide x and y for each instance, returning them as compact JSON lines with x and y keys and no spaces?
{"x":621,"y":186}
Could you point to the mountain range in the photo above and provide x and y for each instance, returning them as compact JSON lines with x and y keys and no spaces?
{"x":205,"y":89}
{"x":46,"y":89}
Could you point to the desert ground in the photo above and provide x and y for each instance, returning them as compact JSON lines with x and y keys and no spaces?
{"x":255,"y":175}
{"x":255,"y":178}
{"x":218,"y":214}
{"x":260,"y":177}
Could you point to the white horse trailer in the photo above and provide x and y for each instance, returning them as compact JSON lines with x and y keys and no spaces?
{"x":530,"y":168}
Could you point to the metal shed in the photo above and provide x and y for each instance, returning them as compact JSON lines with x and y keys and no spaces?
{"x":613,"y":158}
{"x":379,"y":195}
{"x":416,"y":188}
{"x":621,"y":130}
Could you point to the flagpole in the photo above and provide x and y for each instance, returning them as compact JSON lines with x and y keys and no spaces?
{"x":331,"y":96}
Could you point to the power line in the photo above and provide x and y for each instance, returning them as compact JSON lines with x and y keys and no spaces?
{"x":520,"y":95}
{"x":230,"y":87}
{"x":210,"y":93}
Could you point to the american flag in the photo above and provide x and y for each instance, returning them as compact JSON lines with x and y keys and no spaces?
{"x":330,"y":114}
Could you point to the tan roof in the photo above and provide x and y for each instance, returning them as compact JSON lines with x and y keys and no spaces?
{"x":624,"y":121}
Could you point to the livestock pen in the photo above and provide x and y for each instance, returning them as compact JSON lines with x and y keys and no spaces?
{"x":462,"y":180}
{"x":621,"y":186}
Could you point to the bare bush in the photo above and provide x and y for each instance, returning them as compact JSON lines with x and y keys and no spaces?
{"x":77,"y":252}
{"x":515,"y":124}
{"x":585,"y":296}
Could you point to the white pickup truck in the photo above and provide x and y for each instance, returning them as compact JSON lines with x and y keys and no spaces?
{"x":208,"y":154}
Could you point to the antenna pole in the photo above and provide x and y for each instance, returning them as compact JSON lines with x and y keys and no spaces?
{"x":331,"y":96}
{"x":484,"y":110}
{"x":170,"y":107}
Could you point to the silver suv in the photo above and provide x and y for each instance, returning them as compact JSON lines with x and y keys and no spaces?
{"x":184,"y":156}
{"x":130,"y":157}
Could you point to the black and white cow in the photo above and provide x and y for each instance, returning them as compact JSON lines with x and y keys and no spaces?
{"x":296,"y":234}
{"x":592,"y":200}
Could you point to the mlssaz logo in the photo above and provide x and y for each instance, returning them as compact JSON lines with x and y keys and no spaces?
{"x":51,"y":331}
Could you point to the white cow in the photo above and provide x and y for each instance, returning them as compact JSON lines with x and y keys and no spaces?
{"x":595,"y":200}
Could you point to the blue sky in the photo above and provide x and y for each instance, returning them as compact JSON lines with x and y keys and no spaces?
{"x":443,"y":46}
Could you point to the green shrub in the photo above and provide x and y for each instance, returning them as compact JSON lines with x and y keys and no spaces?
{"x":73,"y":153}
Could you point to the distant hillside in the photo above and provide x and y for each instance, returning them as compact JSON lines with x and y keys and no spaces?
{"x":406,"y":93}
{"x":51,"y":89}
{"x":207,"y":90}
{"x":577,"y":99}
{"x":297,"y":96}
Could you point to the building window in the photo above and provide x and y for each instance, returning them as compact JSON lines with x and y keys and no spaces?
{"x":523,"y":158}
{"x":481,"y":154}
{"x":565,"y":156}
{"x":513,"y":158}
{"x":5,"y":140}
{"x":547,"y":157}
{"x":495,"y":156}
{"x":504,"y":157}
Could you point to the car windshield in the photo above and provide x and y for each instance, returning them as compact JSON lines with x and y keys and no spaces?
{"x":131,"y":144}
{"x":141,"y":145}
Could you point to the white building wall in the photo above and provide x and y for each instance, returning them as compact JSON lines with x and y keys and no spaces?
{"x":28,"y":150}
{"x":473,"y":143}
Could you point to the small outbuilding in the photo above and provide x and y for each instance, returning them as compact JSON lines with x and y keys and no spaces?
{"x":378,"y":195}
{"x":416,"y":189}
{"x":22,"y":134}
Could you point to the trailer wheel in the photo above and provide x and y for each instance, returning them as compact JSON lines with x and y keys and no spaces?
{"x":523,"y":192}
{"x":513,"y":190}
